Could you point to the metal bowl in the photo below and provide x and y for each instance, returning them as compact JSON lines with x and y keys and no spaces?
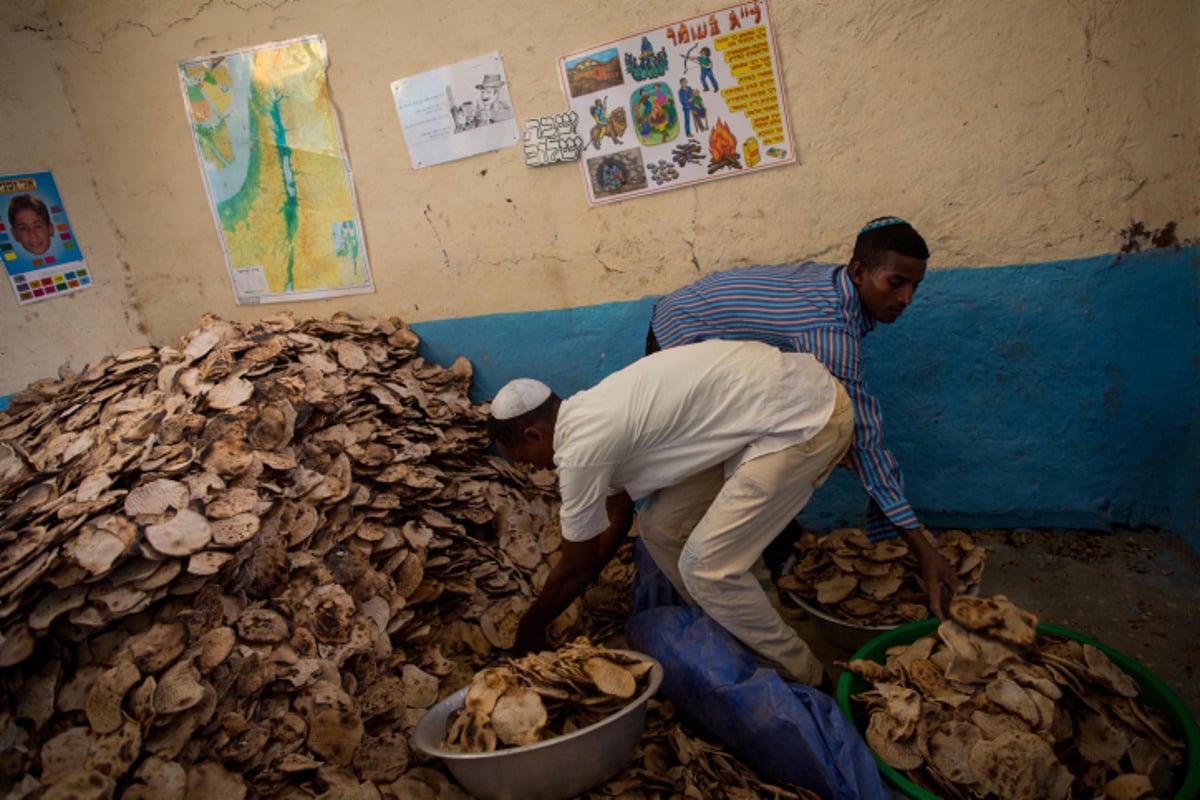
{"x":555,"y":769}
{"x":840,"y":631}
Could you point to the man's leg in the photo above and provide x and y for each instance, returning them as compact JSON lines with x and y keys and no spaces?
{"x":668,"y":516}
{"x":777,"y":552}
{"x":750,"y":509}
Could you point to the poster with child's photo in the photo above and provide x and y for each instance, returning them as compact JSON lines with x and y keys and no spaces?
{"x":41,"y":255}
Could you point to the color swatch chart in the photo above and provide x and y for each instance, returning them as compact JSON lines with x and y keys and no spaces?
{"x":36,"y":286}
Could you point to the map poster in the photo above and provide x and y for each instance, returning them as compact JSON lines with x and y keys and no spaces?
{"x":692,"y":101}
{"x":456,"y":111}
{"x":276,"y":172}
{"x":40,"y":252}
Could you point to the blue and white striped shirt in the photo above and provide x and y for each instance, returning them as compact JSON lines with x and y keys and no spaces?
{"x":809,"y":308}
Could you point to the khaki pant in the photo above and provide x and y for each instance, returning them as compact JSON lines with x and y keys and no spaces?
{"x":707,"y":533}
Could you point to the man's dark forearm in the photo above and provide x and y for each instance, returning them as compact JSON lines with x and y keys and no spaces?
{"x":579,"y":564}
{"x":563,"y":585}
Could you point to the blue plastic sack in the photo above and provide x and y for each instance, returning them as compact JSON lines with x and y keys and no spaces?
{"x":787,"y":732}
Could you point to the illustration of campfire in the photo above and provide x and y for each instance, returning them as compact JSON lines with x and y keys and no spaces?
{"x":722,"y":147}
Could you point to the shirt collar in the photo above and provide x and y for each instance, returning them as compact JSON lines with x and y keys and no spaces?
{"x":856,"y":316}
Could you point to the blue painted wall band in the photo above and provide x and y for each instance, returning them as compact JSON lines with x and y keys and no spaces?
{"x":1062,"y":394}
{"x":1055,"y":394}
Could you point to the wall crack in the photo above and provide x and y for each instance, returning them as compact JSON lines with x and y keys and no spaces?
{"x":441,"y":246}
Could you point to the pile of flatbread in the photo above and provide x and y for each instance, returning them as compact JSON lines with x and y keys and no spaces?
{"x":987,"y":708}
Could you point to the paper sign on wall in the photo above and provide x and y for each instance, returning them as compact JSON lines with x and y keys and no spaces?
{"x":552,"y":140}
{"x":692,"y":101}
{"x":456,"y":111}
{"x":40,"y":252}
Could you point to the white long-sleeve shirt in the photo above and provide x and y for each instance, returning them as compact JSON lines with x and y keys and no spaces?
{"x":677,"y":412}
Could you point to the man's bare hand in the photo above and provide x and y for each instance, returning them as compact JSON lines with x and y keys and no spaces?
{"x":531,"y":638}
{"x":941,"y":581}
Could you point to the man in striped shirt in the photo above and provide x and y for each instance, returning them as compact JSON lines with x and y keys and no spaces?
{"x":825,"y":310}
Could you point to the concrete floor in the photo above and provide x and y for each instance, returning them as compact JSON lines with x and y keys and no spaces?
{"x":1136,"y":591}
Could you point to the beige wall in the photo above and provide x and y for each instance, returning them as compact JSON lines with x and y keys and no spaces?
{"x":1013,"y":132}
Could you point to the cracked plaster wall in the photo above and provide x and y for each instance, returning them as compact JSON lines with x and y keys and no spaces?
{"x":1010,"y":133}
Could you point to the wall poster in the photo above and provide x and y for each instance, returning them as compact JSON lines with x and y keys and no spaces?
{"x":40,"y":253}
{"x":456,"y":111}
{"x":692,"y":101}
{"x":278,"y":180}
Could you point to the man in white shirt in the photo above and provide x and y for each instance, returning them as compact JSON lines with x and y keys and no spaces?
{"x":726,"y":440}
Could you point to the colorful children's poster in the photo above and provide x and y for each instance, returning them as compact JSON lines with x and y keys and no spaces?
{"x":41,"y":254}
{"x":275,"y":169}
{"x":456,"y":111}
{"x":692,"y":101}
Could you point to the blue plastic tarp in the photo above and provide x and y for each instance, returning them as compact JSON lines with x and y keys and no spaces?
{"x":787,"y":732}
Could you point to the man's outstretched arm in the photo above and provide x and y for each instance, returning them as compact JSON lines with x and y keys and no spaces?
{"x":578,"y":565}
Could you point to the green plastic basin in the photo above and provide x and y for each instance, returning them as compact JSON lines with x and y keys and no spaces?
{"x":1154,"y":691}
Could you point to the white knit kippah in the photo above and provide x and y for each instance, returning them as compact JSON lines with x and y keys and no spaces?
{"x":519,"y":397}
